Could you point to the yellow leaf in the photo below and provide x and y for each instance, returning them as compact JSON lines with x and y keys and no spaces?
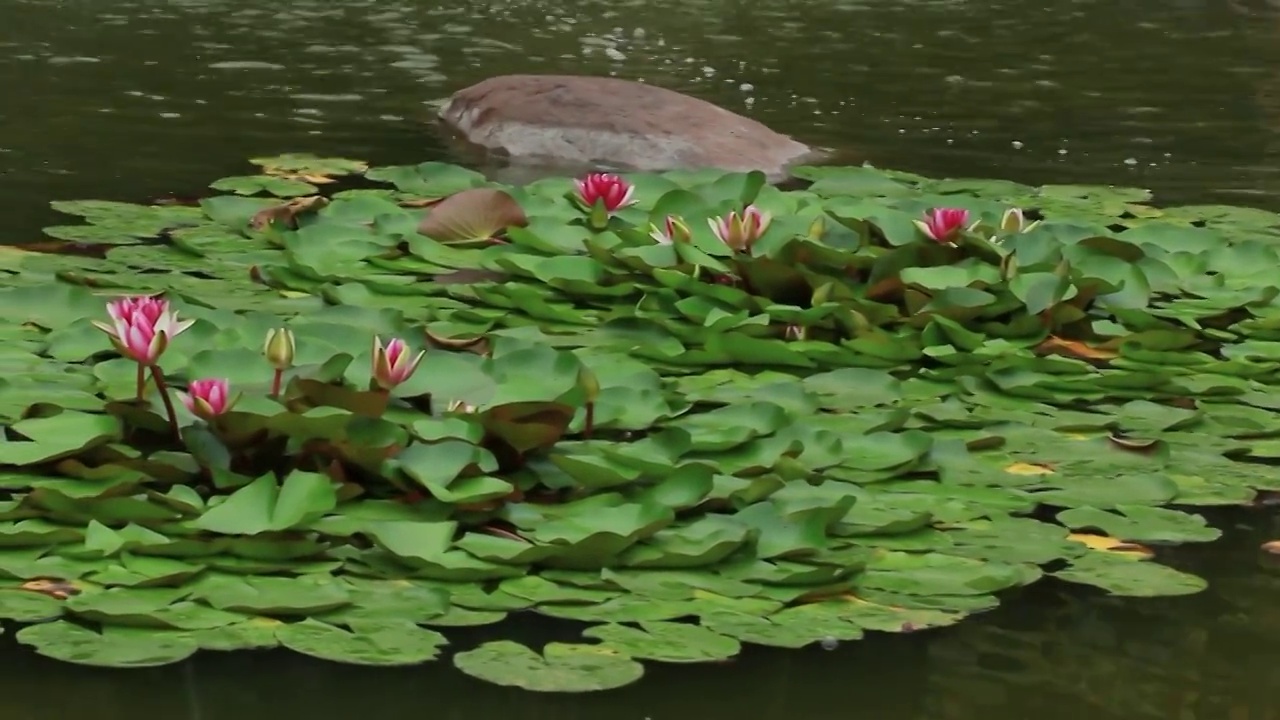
{"x":1074,"y":348}
{"x":1104,"y":543}
{"x":1021,"y":468}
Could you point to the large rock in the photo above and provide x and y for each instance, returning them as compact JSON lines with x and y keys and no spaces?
{"x":609,"y":123}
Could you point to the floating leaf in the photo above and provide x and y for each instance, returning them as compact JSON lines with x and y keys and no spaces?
{"x":119,"y":647}
{"x":475,"y":214}
{"x":666,"y":642}
{"x":370,"y":642}
{"x":561,"y":667}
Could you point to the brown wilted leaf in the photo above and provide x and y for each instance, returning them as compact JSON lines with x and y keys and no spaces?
{"x":55,"y":588}
{"x":420,"y":202}
{"x":59,"y":247}
{"x":1134,"y":444}
{"x":884,"y":288}
{"x":471,"y":215}
{"x":452,"y":343}
{"x":287,"y":213}
{"x":175,"y":201}
{"x":503,"y":532}
{"x":1074,"y":348}
{"x":468,"y":276}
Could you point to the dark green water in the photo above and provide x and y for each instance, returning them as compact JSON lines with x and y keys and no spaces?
{"x":133,"y":99}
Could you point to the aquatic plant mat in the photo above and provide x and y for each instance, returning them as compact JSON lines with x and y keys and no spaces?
{"x":849,"y":428}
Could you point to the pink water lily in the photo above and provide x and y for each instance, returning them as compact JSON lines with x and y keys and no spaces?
{"x":740,"y":232}
{"x":608,"y":188}
{"x":141,"y":327}
{"x":392,"y":364}
{"x":207,"y":398}
{"x":673,"y":230}
{"x":943,"y":224}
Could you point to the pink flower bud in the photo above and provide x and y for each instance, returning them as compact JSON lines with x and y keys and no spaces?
{"x":392,"y":364}
{"x":207,"y":398}
{"x":673,"y":230}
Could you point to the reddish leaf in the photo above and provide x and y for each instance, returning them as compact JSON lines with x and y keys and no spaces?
{"x":475,"y":214}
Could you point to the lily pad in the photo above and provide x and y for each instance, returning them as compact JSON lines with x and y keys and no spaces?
{"x":369,"y":642}
{"x":562,"y":667}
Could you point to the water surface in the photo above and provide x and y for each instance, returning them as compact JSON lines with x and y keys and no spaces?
{"x":129,"y":99}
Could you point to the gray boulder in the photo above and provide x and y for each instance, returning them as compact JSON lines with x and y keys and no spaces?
{"x":604,"y":123}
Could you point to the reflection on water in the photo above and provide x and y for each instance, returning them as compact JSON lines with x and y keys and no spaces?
{"x":138,"y":97}
{"x":134,"y":98}
{"x":1048,"y":654}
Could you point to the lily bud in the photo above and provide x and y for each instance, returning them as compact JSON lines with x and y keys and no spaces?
{"x":207,"y":398}
{"x":674,"y":230}
{"x":589,"y":382}
{"x":1013,"y":221}
{"x":393,"y":363}
{"x":460,"y":406}
{"x":821,"y":295}
{"x":740,"y":231}
{"x":279,"y":348}
{"x":817,"y":228}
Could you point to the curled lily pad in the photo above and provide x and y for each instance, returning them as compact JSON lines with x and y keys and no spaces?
{"x":472,"y":215}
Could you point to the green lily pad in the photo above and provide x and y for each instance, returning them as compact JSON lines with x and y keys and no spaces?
{"x":119,"y":647}
{"x":1120,"y":575}
{"x":369,"y":642}
{"x":562,"y":667}
{"x":666,"y":642}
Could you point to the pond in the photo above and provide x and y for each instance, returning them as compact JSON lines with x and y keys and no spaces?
{"x":133,"y":100}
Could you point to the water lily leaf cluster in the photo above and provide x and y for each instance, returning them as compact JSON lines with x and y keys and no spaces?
{"x":836,"y":424}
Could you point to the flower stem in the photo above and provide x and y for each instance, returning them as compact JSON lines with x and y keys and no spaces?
{"x":384,"y":397}
{"x":168,"y":402}
{"x":275,"y":383}
{"x":142,"y":381}
{"x":589,"y":422}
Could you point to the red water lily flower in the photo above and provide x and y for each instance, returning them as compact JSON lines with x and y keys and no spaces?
{"x":943,"y":224}
{"x":608,"y":188}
